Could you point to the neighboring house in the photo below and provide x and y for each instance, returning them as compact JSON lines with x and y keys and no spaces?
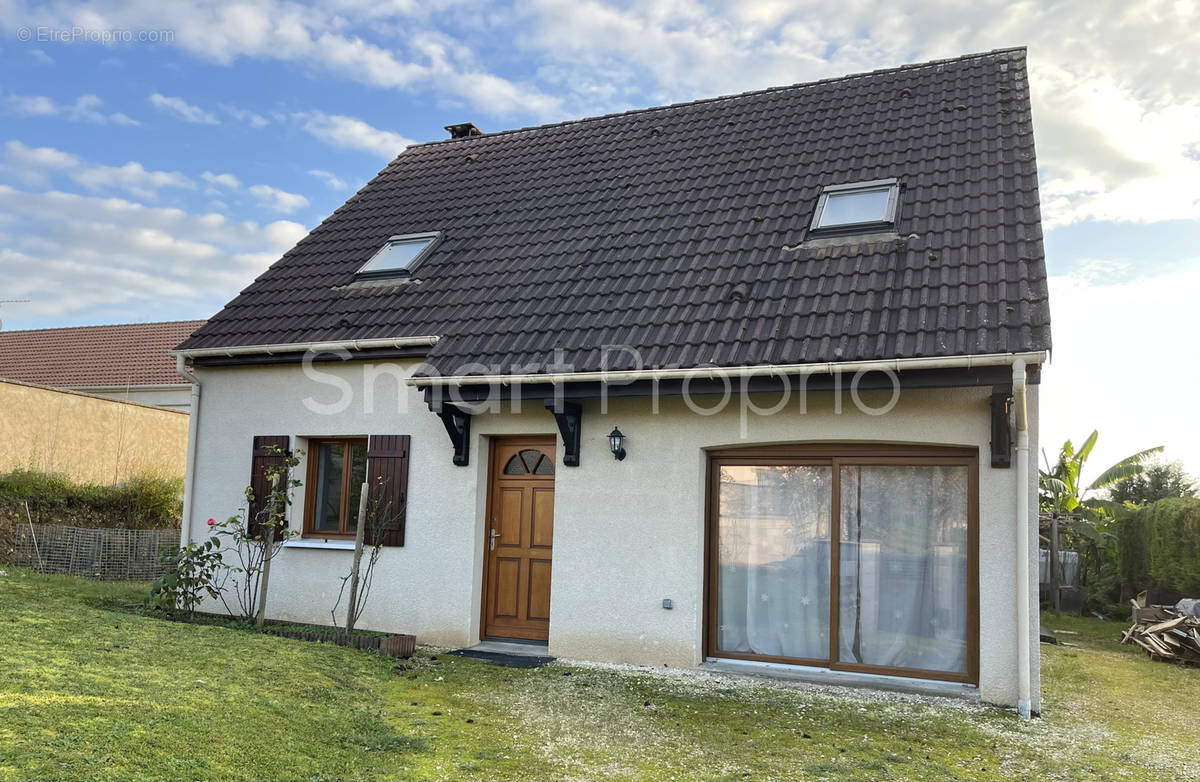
{"x":469,"y":329}
{"x":127,"y":362}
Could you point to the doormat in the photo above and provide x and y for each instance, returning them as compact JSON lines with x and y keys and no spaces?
{"x":508,"y":660}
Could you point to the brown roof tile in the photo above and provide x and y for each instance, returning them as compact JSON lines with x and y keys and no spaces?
{"x":670,"y":230}
{"x":129,"y":354}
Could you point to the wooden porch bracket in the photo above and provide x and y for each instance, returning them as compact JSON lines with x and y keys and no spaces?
{"x":569,"y":417}
{"x":1002,"y":427}
{"x":458,"y":425}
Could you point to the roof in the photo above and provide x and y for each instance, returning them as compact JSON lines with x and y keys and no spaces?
{"x":129,"y":354}
{"x":680,"y":232}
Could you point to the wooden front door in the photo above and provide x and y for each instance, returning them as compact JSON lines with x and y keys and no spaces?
{"x":520,"y":538}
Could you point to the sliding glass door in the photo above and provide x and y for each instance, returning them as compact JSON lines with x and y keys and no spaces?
{"x":774,"y":560}
{"x":849,"y":557}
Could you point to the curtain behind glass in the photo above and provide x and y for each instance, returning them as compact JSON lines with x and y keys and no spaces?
{"x":773,"y":577}
{"x":328,"y":512}
{"x":903,"y":567}
{"x":358,"y":474}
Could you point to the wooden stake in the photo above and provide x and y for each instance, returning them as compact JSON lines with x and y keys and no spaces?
{"x":268,"y":542}
{"x":33,"y":537}
{"x":1055,"y":575}
{"x":359,"y":531}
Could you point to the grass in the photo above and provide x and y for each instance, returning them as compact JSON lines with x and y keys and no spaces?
{"x":93,"y":692}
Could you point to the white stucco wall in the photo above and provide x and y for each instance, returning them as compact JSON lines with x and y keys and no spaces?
{"x":627,"y":534}
{"x":174,"y":397}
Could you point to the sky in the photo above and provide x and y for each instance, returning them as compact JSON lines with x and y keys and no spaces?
{"x":156,"y":156}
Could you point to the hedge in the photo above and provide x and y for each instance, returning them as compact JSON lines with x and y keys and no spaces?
{"x":144,"y":502}
{"x":1159,"y":546}
{"x":1174,"y":536}
{"x":1133,"y":553}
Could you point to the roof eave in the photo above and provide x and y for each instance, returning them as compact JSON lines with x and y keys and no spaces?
{"x":769,"y":370}
{"x":305,"y":347}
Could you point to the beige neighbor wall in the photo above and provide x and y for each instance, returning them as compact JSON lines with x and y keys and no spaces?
{"x":627,"y":534}
{"x":88,"y":438}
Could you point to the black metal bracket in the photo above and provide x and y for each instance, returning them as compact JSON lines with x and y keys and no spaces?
{"x":458,"y":425}
{"x":569,"y":417}
{"x":1002,"y":427}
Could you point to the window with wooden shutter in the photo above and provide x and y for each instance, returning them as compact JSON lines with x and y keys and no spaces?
{"x":336,"y":471}
{"x":387,"y":475}
{"x":269,"y":451}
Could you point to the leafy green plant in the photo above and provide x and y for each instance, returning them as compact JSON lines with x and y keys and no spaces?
{"x":1133,"y":553}
{"x":1159,"y":481}
{"x":142,"y":502}
{"x":1175,"y":544}
{"x":255,"y":541}
{"x":1061,"y":489}
{"x":233,"y":564}
{"x":1088,"y":523}
{"x":193,"y":573}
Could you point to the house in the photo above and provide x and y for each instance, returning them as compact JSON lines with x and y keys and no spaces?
{"x":128,"y":362}
{"x":95,"y":403}
{"x":748,"y":383}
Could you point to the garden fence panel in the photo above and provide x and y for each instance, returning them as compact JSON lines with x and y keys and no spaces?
{"x":105,"y":554}
{"x":1068,"y":568}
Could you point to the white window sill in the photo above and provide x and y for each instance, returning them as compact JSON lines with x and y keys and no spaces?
{"x":325,"y":543}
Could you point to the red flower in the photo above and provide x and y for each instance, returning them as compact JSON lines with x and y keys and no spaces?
{"x":212,"y":522}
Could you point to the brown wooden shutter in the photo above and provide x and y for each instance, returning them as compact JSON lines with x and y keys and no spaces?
{"x":259,"y":483}
{"x":387,"y":476}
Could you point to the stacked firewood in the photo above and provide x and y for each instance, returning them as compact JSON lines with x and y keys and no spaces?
{"x":1165,"y":634}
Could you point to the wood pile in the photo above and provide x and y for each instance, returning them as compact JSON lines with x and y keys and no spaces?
{"x":1165,"y":634}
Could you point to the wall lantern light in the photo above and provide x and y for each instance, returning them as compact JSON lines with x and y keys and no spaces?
{"x":615,"y":444}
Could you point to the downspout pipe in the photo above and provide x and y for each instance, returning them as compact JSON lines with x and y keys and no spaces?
{"x":1024,"y":673}
{"x":189,"y":475}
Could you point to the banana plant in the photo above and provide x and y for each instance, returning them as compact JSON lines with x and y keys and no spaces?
{"x":1061,"y":488}
{"x":1086,"y":520}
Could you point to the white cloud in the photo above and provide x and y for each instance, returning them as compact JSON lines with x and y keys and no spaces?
{"x":132,"y":177}
{"x":86,"y":108}
{"x":278,"y":200}
{"x":82,"y":258}
{"x":31,"y":105}
{"x":224,"y":180}
{"x":181,"y":109}
{"x":37,"y":165}
{"x":351,"y":133}
{"x":39,"y":158}
{"x":57,"y":205}
{"x":1123,"y":363}
{"x":331,"y":180}
{"x":1114,"y":92}
{"x":321,"y":37}
{"x":251,"y":118}
{"x":1116,"y":104}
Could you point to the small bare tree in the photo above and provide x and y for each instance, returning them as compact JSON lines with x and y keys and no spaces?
{"x":376,"y":518}
{"x":258,"y":539}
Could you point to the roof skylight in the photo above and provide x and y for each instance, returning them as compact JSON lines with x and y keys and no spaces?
{"x":400,"y":255}
{"x":857,"y":206}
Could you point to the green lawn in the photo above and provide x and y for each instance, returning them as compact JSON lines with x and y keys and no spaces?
{"x":88,"y":691}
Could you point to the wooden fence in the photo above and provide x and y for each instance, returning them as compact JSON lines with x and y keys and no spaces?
{"x":105,"y":554}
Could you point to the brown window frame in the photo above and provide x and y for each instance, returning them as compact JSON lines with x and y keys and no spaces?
{"x":835,"y":456}
{"x":310,"y":490}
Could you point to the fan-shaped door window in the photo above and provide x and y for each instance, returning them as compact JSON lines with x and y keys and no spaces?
{"x":529,"y":461}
